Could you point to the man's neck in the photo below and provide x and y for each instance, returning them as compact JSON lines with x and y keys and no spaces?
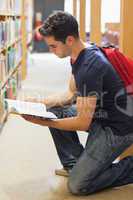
{"x":77,"y":48}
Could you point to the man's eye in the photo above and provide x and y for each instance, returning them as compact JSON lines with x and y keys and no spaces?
{"x":52,"y":46}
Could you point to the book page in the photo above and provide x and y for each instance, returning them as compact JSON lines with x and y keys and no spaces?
{"x":29,"y":108}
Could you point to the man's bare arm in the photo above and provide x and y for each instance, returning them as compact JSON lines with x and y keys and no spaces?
{"x":62,"y":99}
{"x":85,"y":112}
{"x":57,"y":99}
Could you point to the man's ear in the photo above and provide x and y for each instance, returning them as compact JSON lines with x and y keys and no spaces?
{"x":70,"y":40}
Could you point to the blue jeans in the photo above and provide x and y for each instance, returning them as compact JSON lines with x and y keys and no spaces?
{"x":92,"y":167}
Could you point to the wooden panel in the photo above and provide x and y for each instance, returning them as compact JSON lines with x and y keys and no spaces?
{"x":75,"y":8}
{"x":82,"y":19}
{"x":95,"y":30}
{"x":126,"y":28}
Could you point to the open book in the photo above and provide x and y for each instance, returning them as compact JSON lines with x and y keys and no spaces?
{"x":28,"y":108}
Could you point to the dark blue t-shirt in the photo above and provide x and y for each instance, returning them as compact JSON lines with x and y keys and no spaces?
{"x":94,"y":75}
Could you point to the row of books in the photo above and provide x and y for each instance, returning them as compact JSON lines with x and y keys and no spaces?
{"x":9,"y":60}
{"x":10,"y":90}
{"x":10,"y":30}
{"x":14,"y":55}
{"x":11,"y":6}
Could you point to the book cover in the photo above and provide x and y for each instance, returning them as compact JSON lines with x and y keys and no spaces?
{"x":29,"y":108}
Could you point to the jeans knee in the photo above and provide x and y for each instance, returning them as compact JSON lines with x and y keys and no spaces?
{"x":76,"y":188}
{"x":72,"y":187}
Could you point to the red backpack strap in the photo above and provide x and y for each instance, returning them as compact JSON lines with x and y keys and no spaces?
{"x":122,"y":64}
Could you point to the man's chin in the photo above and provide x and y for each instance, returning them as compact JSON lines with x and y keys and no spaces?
{"x":61,"y":56}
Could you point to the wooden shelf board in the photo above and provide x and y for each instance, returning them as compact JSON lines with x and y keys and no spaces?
{"x":8,"y":14}
{"x":10,"y":45}
{"x":2,"y":120}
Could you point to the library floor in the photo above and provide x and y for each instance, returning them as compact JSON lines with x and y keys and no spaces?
{"x":27,"y":154}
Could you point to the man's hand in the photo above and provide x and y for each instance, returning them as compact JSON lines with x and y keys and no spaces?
{"x":36,"y":120}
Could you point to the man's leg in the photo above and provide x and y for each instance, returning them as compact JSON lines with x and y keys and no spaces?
{"x":94,"y":170}
{"x":67,"y":143}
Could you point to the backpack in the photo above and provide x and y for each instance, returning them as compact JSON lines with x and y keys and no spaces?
{"x":122,"y":64}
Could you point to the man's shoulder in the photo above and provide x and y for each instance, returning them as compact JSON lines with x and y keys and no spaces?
{"x":94,"y":58}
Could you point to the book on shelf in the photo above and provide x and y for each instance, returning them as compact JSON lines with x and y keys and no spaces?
{"x":3,"y":6}
{"x":29,"y":108}
{"x":13,"y":27}
{"x":14,"y":6}
{"x":3,"y":68}
{"x":17,"y":7}
{"x":3,"y":33}
{"x":14,"y":55}
{"x":10,"y":31}
{"x":1,"y":107}
{"x":11,"y":58}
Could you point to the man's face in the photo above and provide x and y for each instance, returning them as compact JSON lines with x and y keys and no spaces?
{"x":57,"y":47}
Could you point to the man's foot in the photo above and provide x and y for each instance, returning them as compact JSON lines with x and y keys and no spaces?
{"x":62,"y":172}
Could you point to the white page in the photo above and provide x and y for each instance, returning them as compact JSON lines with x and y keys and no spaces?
{"x":29,"y":108}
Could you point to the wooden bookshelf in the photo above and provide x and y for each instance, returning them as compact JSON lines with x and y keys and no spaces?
{"x":13,"y":48}
{"x":10,"y":15}
{"x":10,"y":75}
{"x":95,"y":23}
{"x":4,"y":117}
{"x":2,"y":49}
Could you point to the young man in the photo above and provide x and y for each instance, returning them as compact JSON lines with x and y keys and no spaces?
{"x":100,"y":109}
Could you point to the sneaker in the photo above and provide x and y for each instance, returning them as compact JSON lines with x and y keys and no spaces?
{"x":62,"y":172}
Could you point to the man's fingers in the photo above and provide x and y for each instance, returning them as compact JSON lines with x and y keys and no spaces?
{"x":27,"y":117}
{"x":30,"y":118}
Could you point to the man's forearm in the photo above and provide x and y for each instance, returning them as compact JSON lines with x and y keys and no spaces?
{"x":53,"y":100}
{"x":69,"y":124}
{"x":58,"y":100}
